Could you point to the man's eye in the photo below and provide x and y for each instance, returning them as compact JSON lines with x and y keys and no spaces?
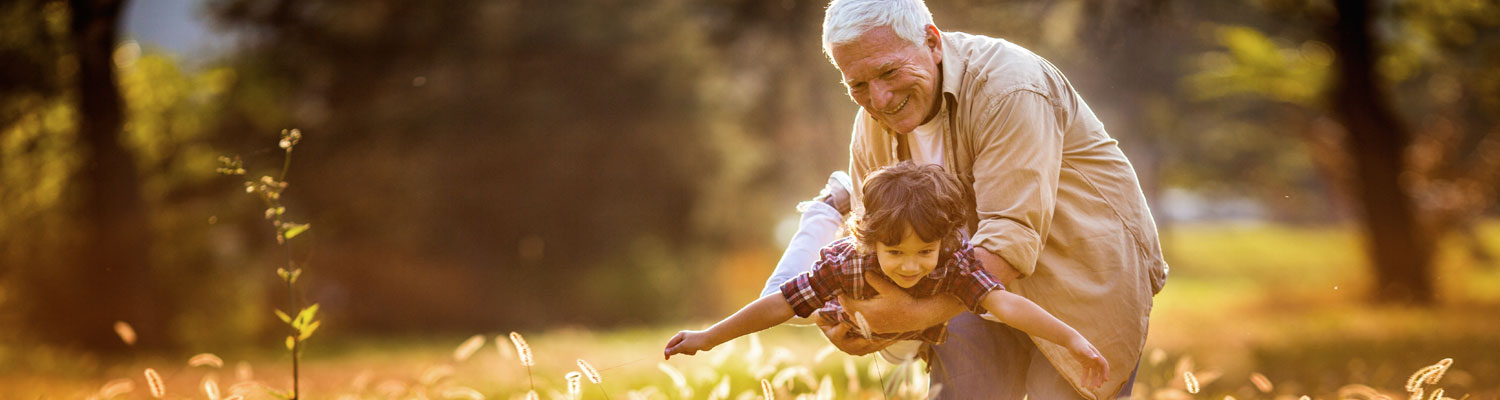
{"x":888,"y":74}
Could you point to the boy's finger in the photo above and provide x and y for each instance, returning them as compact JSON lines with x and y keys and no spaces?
{"x":1103,"y":373}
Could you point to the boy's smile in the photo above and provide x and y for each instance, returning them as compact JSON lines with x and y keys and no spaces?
{"x":908,"y":262}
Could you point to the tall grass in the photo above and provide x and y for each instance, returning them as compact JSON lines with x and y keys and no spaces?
{"x":269,"y":190}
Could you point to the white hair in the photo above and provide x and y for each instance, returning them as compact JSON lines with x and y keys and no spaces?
{"x":847,"y":19}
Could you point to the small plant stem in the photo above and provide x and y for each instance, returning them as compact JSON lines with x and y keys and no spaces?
{"x":286,"y":165}
{"x":297,"y":332}
{"x":291,"y":291}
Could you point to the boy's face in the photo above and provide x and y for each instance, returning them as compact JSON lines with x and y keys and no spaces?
{"x":907,"y":262}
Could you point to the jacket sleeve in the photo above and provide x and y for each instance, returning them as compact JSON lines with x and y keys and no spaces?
{"x":1018,"y":156}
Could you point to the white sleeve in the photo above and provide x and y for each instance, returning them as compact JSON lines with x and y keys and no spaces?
{"x":818,"y":227}
{"x":901,"y":351}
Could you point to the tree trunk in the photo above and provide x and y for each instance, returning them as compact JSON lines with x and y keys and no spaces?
{"x":107,"y":271}
{"x":1399,"y":252}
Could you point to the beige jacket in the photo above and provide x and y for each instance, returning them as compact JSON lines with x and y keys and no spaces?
{"x":1053,"y":195}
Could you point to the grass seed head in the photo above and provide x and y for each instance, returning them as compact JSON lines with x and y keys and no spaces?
{"x":863,"y":325}
{"x":153,"y":380}
{"x":116,"y":388}
{"x":467,"y":349}
{"x":126,"y":333}
{"x":721,"y":390}
{"x":504,"y":351}
{"x":435,"y":374}
{"x":1440,"y":368}
{"x":589,"y":371}
{"x":462,"y":392}
{"x":523,"y":351}
{"x":206,"y":360}
{"x":765,"y":388}
{"x":575,"y":384}
{"x":678,"y":379}
{"x":211,"y":389}
{"x":1261,"y":383}
{"x":824,"y":353}
{"x":1191,"y":382}
{"x":825,"y":388}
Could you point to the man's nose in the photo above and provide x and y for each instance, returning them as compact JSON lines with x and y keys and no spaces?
{"x":881,"y":97}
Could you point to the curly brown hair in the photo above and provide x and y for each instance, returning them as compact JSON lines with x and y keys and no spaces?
{"x":923,"y":197}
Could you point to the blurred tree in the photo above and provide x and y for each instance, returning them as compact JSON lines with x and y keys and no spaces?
{"x":111,"y":263}
{"x":101,"y":271}
{"x":1377,"y":139}
{"x":1407,"y":184}
{"x":89,"y":236}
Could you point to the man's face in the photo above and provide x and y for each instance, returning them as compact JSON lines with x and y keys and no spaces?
{"x":896,"y":81}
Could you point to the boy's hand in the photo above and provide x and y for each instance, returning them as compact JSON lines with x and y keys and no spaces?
{"x":1095,"y":367}
{"x":687,"y":342}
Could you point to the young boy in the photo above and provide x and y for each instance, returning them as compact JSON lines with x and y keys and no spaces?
{"x":909,"y":233}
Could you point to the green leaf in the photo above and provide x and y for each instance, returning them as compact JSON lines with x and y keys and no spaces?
{"x":307,"y":314}
{"x":310,"y":329}
{"x":284,"y":318}
{"x":291,"y":342}
{"x":292,"y":230}
{"x":296,"y":273}
{"x":281,"y":272}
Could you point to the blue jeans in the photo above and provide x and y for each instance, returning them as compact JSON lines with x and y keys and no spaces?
{"x":987,"y":359}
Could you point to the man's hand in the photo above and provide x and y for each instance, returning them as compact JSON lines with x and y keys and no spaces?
{"x":893,"y":310}
{"x":997,"y":266}
{"x":838,"y":335}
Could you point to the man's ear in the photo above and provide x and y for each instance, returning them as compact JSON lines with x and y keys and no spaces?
{"x":934,"y":42}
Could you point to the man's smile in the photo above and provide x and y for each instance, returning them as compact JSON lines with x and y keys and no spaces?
{"x":899,"y":107}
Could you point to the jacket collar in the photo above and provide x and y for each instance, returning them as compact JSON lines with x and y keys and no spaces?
{"x":952,"y":67}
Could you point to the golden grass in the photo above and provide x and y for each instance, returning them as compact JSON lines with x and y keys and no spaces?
{"x":1250,"y":313}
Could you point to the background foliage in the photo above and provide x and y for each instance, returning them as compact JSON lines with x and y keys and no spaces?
{"x":483,"y":165}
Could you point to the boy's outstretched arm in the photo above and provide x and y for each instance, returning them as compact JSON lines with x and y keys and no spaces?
{"x":1023,"y":314}
{"x":768,"y":311}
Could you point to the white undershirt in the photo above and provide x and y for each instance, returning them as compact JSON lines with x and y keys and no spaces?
{"x":926,"y":146}
{"x":926,"y":141}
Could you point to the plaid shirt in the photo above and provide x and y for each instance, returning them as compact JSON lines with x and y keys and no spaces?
{"x":841,"y":271}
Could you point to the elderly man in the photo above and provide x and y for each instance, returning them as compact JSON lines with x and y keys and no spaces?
{"x":1058,"y":213}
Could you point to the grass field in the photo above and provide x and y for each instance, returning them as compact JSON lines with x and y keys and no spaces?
{"x":1281,"y":303}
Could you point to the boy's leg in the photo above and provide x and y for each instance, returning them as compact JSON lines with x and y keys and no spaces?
{"x":819,"y":226}
{"x":980,"y":359}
